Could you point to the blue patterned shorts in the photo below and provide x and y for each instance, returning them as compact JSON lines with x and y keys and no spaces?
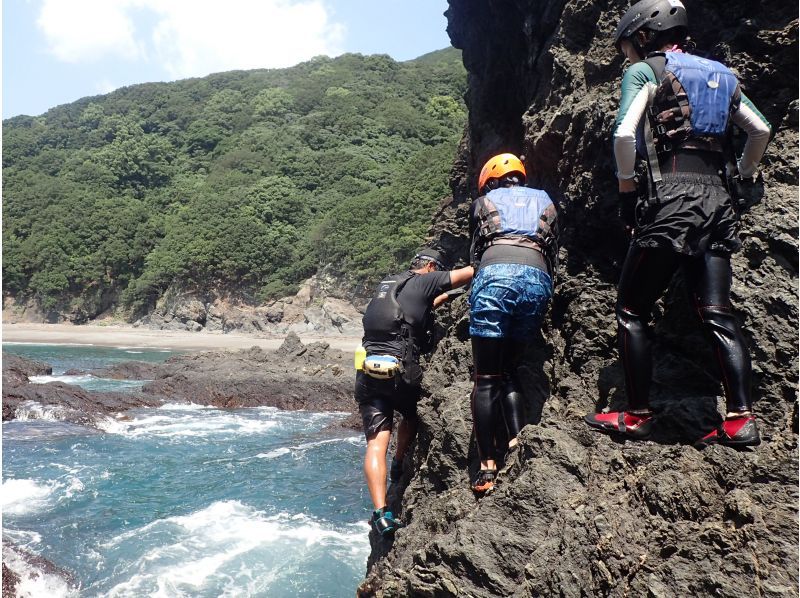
{"x":508,"y":301}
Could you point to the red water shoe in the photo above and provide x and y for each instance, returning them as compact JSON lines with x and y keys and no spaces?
{"x":633,"y":425}
{"x":735,"y":432}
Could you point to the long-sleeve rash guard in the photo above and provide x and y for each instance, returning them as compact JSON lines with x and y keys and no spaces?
{"x":638,"y":87}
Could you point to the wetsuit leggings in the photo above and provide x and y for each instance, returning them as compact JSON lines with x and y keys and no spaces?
{"x":495,"y":393}
{"x":645,"y":277}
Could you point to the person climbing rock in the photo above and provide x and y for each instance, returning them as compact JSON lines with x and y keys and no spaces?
{"x":676,"y":112}
{"x":514,"y":251}
{"x":398,"y":326}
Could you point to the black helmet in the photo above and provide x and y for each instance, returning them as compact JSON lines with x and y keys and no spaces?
{"x":432,"y":255}
{"x":655,"y":15}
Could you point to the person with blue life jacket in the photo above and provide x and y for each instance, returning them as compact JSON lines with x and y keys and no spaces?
{"x":398,"y":327}
{"x":514,"y":251}
{"x":676,"y":113}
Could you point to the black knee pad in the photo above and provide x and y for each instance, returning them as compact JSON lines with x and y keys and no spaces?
{"x":631,"y":321}
{"x":719,"y":318}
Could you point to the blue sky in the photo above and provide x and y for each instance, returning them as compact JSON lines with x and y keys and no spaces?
{"x":57,"y":51}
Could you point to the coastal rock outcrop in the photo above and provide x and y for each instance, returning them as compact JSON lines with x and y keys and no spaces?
{"x":57,"y":400}
{"x":23,"y":570}
{"x":577,"y":513}
{"x":17,"y":370}
{"x":297,"y":376}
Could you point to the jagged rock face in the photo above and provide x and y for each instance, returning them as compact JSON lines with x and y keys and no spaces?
{"x":579,"y":513}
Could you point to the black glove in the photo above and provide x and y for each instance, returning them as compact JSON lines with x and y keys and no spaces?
{"x":746,"y":193}
{"x":627,"y":207}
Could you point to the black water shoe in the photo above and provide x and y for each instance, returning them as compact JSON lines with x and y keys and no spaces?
{"x":735,"y":432}
{"x":484,"y":481}
{"x":384,"y":522}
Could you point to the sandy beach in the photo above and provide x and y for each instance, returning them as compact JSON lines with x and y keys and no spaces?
{"x":114,"y":335}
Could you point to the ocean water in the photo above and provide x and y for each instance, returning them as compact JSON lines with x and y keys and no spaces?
{"x":185,"y":500}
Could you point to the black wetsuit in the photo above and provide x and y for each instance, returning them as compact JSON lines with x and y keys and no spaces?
{"x":645,"y":276}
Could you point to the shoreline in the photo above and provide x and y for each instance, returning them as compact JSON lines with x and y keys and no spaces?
{"x":115,"y":335}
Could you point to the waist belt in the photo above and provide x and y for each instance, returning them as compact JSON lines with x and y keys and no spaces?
{"x":382,"y":367}
{"x":695,"y":161}
{"x":533,"y":255}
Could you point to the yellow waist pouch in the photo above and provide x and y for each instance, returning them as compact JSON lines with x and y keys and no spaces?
{"x":382,"y":367}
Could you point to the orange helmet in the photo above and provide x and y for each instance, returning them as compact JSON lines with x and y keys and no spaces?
{"x":499,"y":166}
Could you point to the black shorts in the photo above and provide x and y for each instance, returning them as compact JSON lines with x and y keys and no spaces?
{"x":690,"y":214}
{"x":378,"y":399}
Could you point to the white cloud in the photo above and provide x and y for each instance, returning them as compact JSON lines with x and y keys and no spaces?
{"x":196,"y":37}
{"x":191,"y":37}
{"x":80,"y":30}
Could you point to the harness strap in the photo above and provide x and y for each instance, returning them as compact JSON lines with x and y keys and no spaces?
{"x":404,"y":331}
{"x":649,"y":140}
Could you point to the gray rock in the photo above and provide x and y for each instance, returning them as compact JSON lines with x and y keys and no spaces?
{"x":17,"y":369}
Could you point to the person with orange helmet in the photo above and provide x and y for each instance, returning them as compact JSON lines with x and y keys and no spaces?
{"x":514,"y":252}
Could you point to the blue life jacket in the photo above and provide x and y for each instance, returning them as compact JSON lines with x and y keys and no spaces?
{"x":514,"y":211}
{"x":710,"y":87}
{"x":518,"y":216}
{"x":691,"y":107}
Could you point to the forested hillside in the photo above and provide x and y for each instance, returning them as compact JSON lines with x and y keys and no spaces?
{"x":243,"y":182}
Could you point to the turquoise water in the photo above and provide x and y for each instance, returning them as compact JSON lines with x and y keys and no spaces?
{"x":86,"y":357}
{"x":186,"y":500}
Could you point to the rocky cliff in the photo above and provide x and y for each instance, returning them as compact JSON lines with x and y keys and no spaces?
{"x":577,"y":513}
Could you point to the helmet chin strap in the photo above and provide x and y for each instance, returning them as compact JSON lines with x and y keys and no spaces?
{"x":637,"y":47}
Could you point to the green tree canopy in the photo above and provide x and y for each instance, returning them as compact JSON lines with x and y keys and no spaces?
{"x":247,"y":181}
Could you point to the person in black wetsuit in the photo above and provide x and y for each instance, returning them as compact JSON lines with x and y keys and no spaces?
{"x":397,"y":328}
{"x":676,"y":112}
{"x":514,"y":251}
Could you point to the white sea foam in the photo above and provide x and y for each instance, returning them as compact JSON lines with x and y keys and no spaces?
{"x":78,"y":380}
{"x":356,"y":440}
{"x":185,"y":407}
{"x":72,"y":486}
{"x":274,"y":454}
{"x":21,"y":537}
{"x":30,"y":410}
{"x":300,"y":449}
{"x":21,"y":496}
{"x":33,"y":581}
{"x":228,"y":547}
{"x":193,"y":422}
